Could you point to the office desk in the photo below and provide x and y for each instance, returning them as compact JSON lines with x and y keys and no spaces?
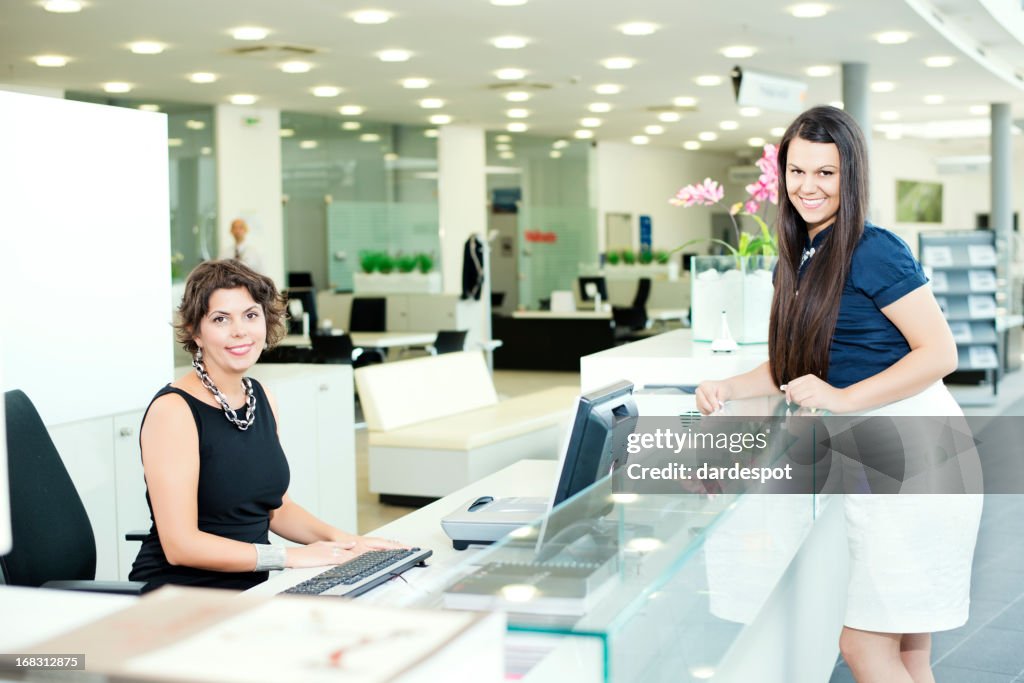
{"x":376,"y":340}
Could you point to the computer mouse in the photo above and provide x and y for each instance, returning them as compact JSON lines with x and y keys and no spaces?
{"x":480,"y":502}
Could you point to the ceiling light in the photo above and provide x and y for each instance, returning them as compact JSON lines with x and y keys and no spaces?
{"x":369,"y":137}
{"x":555,"y":154}
{"x":146,"y":47}
{"x":883,"y":86}
{"x":517,"y":113}
{"x":117,"y":87}
{"x":728,"y":125}
{"x":351,"y":110}
{"x":326,"y":91}
{"x":370,"y":16}
{"x":939,"y":61}
{"x":560,"y":144}
{"x":738,"y":51}
{"x":608,"y":89}
{"x":249,"y":33}
{"x":351,"y":125}
{"x":708,"y":80}
{"x":394,"y":55}
{"x":503,"y":147}
{"x":669,"y":116}
{"x":509,"y":42}
{"x":583,"y":134}
{"x":756,"y":142}
{"x":654,"y":129}
{"x":175,"y":142}
{"x":390,"y":156}
{"x":508,"y":3}
{"x":517,"y":127}
{"x":503,"y":138}
{"x":979,"y":109}
{"x":599,"y":107}
{"x":838,"y":104}
{"x":819,"y":71}
{"x":506,"y":155}
{"x":440,"y":119}
{"x":889,"y":115}
{"x":195,"y":124}
{"x":892,"y":37}
{"x":243,"y":99}
{"x":639,"y":139}
{"x":591,"y":122}
{"x":309,"y":144}
{"x":62,"y":6}
{"x":934,"y":99}
{"x":202,"y":77}
{"x":708,"y":136}
{"x":149,"y":107}
{"x":691,"y":145}
{"x":778,"y":132}
{"x":618,"y":63}
{"x":430,"y":133}
{"x":206,"y":151}
{"x":510,"y":74}
{"x":638,"y":28}
{"x":295,"y":67}
{"x":50,"y":60}
{"x":287,"y":132}
{"x":517,"y":96}
{"x":809,"y":10}
{"x":685,"y":101}
{"x":750,"y":112}
{"x":431,"y":103}
{"x":416,"y":83}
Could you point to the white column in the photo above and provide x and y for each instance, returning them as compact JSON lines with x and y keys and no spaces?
{"x":249,"y":181}
{"x":1001,"y":175}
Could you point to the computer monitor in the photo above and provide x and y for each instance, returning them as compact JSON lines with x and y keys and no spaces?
{"x":307,"y":296}
{"x":599,"y":285}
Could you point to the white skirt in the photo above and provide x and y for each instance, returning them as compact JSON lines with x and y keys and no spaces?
{"x":911,"y":554}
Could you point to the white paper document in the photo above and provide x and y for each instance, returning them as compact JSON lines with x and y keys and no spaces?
{"x":961,"y":332}
{"x":983,"y":357}
{"x":981,"y":306}
{"x":940,"y":283}
{"x":982,"y":280}
{"x":937,"y":256}
{"x":981,"y":254}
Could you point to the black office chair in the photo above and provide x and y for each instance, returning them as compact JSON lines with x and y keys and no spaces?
{"x":448,"y":341}
{"x":643,"y":292}
{"x":53,"y":544}
{"x":369,"y":314}
{"x":300,"y":279}
{"x":631,"y":321}
{"x":287,"y":354}
{"x":332,"y":349}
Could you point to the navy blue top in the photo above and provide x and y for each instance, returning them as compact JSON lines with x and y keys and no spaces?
{"x":882,"y":271}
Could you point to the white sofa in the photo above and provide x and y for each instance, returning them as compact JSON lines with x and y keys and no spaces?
{"x":436,"y":424}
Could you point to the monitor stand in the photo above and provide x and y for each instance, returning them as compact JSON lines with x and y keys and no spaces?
{"x":484,"y":520}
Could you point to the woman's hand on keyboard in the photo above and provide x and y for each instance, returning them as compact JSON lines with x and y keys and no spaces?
{"x":366,"y":543}
{"x":322,"y":554}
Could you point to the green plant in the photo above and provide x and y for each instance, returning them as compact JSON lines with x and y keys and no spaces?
{"x":661,"y":256}
{"x":646,"y":257}
{"x":612,"y":258}
{"x":407,"y":263}
{"x":628,"y":257}
{"x":385,"y":263}
{"x":425,"y":262}
{"x":369,"y":261}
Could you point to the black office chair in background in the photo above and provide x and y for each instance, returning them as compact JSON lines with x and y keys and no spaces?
{"x":448,"y":341}
{"x":631,"y":321}
{"x":369,"y":314}
{"x":300,"y":279}
{"x":53,"y":544}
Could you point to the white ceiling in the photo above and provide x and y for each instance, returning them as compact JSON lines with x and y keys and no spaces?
{"x":569,"y":39}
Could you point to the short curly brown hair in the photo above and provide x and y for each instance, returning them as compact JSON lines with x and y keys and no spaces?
{"x":210,"y":276}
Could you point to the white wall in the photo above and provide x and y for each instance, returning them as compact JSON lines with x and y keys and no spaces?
{"x":84,"y":255}
{"x":33,"y":90}
{"x":248,"y":144}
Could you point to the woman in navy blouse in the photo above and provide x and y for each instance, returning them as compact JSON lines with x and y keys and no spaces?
{"x":853,"y":329}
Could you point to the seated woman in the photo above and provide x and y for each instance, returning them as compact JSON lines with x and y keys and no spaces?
{"x":216,"y":475}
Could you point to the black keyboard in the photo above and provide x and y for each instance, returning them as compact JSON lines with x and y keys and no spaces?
{"x":362,"y":573}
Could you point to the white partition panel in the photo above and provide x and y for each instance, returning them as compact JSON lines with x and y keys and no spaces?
{"x":84,"y":255}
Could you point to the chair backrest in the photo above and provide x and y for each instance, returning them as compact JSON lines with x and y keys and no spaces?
{"x":629,"y":318}
{"x":450,"y":340}
{"x":643,"y":292}
{"x":369,"y":314}
{"x":332,"y":348}
{"x":300,"y":279}
{"x":53,"y":539}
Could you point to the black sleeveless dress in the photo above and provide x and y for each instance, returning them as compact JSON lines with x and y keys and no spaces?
{"x":242,"y":477}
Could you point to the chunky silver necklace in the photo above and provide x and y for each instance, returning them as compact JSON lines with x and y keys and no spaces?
{"x":806,"y":256}
{"x":229,"y":412}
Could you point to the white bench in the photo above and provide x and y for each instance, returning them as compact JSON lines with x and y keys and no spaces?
{"x":435,"y":423}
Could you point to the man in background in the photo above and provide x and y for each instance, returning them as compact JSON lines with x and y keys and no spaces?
{"x":242,"y":249}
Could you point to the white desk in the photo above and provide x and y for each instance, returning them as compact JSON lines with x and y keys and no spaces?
{"x":656,"y":314}
{"x":377,"y":340}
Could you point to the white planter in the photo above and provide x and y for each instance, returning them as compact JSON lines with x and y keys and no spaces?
{"x":397,"y":283}
{"x":745,"y":296}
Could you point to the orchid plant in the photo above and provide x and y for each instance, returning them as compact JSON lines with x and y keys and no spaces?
{"x":760,"y":193}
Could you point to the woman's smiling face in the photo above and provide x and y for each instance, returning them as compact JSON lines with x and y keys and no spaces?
{"x":812,"y":181}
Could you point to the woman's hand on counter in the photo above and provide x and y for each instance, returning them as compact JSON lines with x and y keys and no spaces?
{"x":712,"y":395}
{"x":812,"y":392}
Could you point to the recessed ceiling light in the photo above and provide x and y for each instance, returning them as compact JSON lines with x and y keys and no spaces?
{"x":618,"y":63}
{"x":756,"y":142}
{"x":308,"y":144}
{"x":517,"y":96}
{"x":326,"y":91}
{"x":778,"y":132}
{"x":510,"y":74}
{"x":819,"y":71}
{"x":351,"y":110}
{"x":206,"y":151}
{"x":416,"y":83}
{"x":295,"y":67}
{"x":147,"y":47}
{"x":669,"y":116}
{"x":560,"y":144}
{"x":370,"y":16}
{"x":149,"y":107}
{"x":591,"y":122}
{"x":883,"y":86}
{"x":243,"y":99}
{"x":50,"y":60}
{"x":691,"y":145}
{"x":195,"y":124}
{"x":555,"y":154}
{"x":369,"y":137}
{"x":608,"y":89}
{"x":708,"y":80}
{"x":117,"y":87}
{"x":510,"y":42}
{"x":708,"y":136}
{"x":809,"y":10}
{"x":638,"y":28}
{"x":685,"y":101}
{"x":892,"y":37}
{"x":508,"y":3}
{"x":62,"y":6}
{"x":506,"y":155}
{"x":728,"y":125}
{"x":175,"y":142}
{"x":430,"y":133}
{"x":431,"y":103}
{"x":738,"y":51}
{"x":583,"y":134}
{"x":889,"y":115}
{"x":351,"y":125}
{"x":838,"y":104}
{"x":394,"y":55}
{"x":249,"y":33}
{"x":939,"y":61}
{"x":639,"y":139}
{"x":287,"y":132}
{"x":517,"y":113}
{"x":599,"y":107}
{"x":503,"y":138}
{"x":654,"y":129}
{"x":503,"y":147}
{"x":517,"y":127}
{"x":440,"y":119}
{"x":934,"y":99}
{"x":750,"y":112}
{"x":202,"y":77}
{"x":390,"y":156}
{"x":979,"y":109}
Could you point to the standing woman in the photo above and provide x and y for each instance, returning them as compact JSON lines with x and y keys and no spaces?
{"x":216,"y":475}
{"x":854,"y":329}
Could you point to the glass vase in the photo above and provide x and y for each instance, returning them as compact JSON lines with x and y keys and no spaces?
{"x":741,"y":287}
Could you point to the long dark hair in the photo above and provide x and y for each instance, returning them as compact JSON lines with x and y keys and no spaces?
{"x":801,"y":328}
